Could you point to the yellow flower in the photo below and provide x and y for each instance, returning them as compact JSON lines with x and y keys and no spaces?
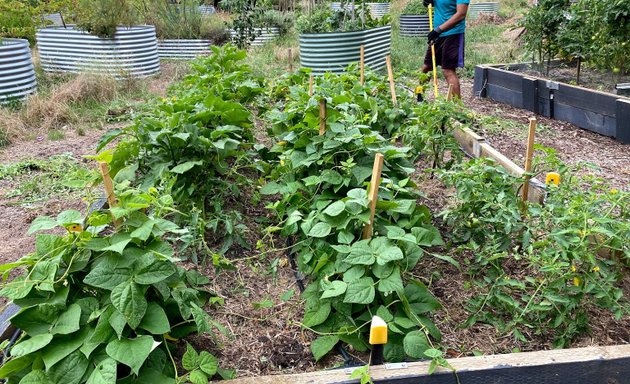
{"x":614,"y":191}
{"x":577,"y":281}
{"x":281,"y":162}
{"x":596,"y":268}
{"x":573,"y":269}
{"x":282,"y":143}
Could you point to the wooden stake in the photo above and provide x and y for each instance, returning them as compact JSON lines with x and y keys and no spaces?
{"x":362,"y":64}
{"x":108,"y":184}
{"x":449,"y":94}
{"x":322,"y":116}
{"x":373,"y":193}
{"x":290,"y":61}
{"x":390,"y":74}
{"x":529,"y":155}
{"x":310,"y":85}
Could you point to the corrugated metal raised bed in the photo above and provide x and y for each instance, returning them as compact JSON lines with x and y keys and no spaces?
{"x":414,"y":25}
{"x":207,"y":9}
{"x":17,"y":74}
{"x":132,"y":52}
{"x":377,"y":10}
{"x":183,"y":49}
{"x":333,"y":52}
{"x":263,"y":35}
{"x":488,"y":8}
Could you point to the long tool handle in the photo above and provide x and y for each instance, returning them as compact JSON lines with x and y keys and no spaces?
{"x":435,"y":79}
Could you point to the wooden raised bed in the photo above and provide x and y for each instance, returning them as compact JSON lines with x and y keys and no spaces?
{"x":604,"y":113}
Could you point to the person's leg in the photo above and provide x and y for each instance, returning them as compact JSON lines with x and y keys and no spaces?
{"x":453,"y":81}
{"x":453,"y":58}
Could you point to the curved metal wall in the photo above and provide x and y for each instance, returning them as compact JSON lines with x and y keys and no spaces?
{"x":183,"y":49}
{"x":132,"y":52}
{"x":17,"y":74}
{"x":206,"y":9}
{"x":414,"y":25}
{"x":474,"y":9}
{"x":377,"y":10}
{"x":333,"y":52}
{"x":266,"y":35}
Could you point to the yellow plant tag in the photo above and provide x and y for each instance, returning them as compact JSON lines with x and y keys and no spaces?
{"x":378,"y":331}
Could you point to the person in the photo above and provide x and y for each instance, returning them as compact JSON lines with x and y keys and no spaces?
{"x":448,"y":38}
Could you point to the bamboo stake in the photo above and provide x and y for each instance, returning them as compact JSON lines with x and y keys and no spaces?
{"x":390,"y":74}
{"x":362,"y":64}
{"x":529,"y":155}
{"x":373,"y":194}
{"x":290,"y":61}
{"x":435,"y":79}
{"x":449,"y":94}
{"x":310,"y":86}
{"x":108,"y":185}
{"x":322,"y":116}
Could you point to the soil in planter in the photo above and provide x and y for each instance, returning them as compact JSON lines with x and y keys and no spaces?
{"x":589,"y":77}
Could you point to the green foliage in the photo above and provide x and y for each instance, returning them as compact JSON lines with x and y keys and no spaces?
{"x":324,"y":19}
{"x":565,"y":256}
{"x":414,"y":7}
{"x":97,"y":302}
{"x":197,"y":141}
{"x":102,"y":17}
{"x":322,"y":182}
{"x":181,"y":21}
{"x":542,"y":24}
{"x":17,"y":20}
{"x":486,"y":210}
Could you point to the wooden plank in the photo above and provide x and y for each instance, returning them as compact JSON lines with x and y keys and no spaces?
{"x":530,"y":94}
{"x":592,"y":365}
{"x":504,"y":95}
{"x":622,"y":129}
{"x":587,"y":99}
{"x":322,"y":116}
{"x":362,"y":64}
{"x":479,"y":83}
{"x":475,"y":146}
{"x":505,"y":79}
{"x":390,"y":76}
{"x":585,"y":119}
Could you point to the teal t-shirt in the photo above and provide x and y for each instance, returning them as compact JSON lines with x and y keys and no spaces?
{"x":444,"y":9}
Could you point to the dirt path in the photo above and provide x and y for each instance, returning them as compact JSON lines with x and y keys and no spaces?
{"x":16,"y":218}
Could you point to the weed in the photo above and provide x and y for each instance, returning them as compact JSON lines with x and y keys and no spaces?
{"x":56,"y":135}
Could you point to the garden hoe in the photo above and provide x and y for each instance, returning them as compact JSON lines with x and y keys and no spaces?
{"x":420,"y":88}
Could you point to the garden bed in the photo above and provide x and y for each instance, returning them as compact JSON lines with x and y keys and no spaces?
{"x":17,"y":74}
{"x":183,"y":49}
{"x":132,"y":52}
{"x":377,"y":10}
{"x":482,"y":8}
{"x":600,"y":112}
{"x":333,"y":52}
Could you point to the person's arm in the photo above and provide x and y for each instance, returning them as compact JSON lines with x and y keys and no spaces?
{"x":460,"y":14}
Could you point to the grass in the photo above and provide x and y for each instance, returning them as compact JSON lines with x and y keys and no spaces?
{"x":36,"y":180}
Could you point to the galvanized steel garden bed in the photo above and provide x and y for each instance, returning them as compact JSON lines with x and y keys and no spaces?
{"x":183,"y":49}
{"x":17,"y":74}
{"x":132,"y":52}
{"x":333,"y":52}
{"x":414,"y":25}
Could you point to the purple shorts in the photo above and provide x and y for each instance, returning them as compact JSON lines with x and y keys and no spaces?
{"x":449,"y":52}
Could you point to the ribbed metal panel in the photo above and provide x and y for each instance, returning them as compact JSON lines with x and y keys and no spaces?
{"x":333,"y":52}
{"x":183,"y":49}
{"x":474,"y":9}
{"x":132,"y":52}
{"x":207,"y":9}
{"x":54,"y":18}
{"x":264,"y":35}
{"x":377,"y":10}
{"x":414,"y":25}
{"x":17,"y":74}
